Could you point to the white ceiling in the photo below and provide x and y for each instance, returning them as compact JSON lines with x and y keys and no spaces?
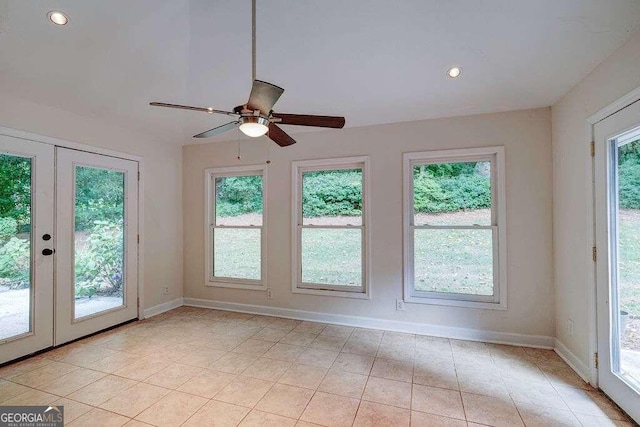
{"x":373,"y":61}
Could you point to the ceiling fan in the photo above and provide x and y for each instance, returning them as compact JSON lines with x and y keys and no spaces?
{"x":256,"y":117}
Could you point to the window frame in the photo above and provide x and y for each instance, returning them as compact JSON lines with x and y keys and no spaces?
{"x":210,"y":225}
{"x":494,"y":154}
{"x":298,"y":167}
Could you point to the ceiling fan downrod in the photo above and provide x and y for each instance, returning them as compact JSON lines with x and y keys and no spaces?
{"x":253,"y":40}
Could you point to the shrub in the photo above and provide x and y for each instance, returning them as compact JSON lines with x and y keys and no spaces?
{"x":99,"y":264}
{"x":237,"y":195}
{"x":628,"y":179}
{"x":8,"y":228}
{"x":331,"y":193}
{"x":15,"y":260}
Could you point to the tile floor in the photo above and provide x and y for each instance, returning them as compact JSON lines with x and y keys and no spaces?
{"x":200,"y":367}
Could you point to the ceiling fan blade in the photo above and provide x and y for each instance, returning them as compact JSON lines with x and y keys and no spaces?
{"x":263,"y":96}
{"x":218,"y":130}
{"x":279,"y":136}
{"x":188,"y":107}
{"x":308,"y":120}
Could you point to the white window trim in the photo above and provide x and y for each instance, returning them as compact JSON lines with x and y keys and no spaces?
{"x":499,"y":253}
{"x":297,"y":167}
{"x":209,"y":221}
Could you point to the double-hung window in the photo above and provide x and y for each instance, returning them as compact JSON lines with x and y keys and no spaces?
{"x":330,"y":235}
{"x":454,"y":228}
{"x":235,"y":225}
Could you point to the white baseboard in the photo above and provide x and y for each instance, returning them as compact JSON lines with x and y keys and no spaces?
{"x":539,"y":341}
{"x":161,"y":308}
{"x":572,"y":360}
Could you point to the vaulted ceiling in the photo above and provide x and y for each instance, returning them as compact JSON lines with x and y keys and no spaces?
{"x":373,"y":61}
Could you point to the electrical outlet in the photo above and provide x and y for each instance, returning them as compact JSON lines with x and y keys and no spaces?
{"x":165,"y":290}
{"x":399,"y":305}
{"x":269,"y":293}
{"x":570,"y":327}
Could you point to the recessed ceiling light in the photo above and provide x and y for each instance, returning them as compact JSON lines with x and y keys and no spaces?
{"x":58,"y":18}
{"x":454,"y":72}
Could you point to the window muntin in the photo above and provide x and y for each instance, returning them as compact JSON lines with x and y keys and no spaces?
{"x":236,"y":222}
{"x":330,"y":229}
{"x":454,"y":228}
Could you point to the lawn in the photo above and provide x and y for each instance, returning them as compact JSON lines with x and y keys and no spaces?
{"x":629,"y":259}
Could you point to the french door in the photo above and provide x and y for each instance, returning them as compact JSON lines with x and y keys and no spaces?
{"x":68,"y":244}
{"x":617,"y":192}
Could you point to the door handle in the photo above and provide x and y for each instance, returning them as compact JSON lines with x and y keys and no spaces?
{"x":47,"y":251}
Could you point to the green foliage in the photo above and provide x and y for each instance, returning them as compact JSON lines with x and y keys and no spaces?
{"x":237,"y":195}
{"x":99,"y":263}
{"x":332,"y":193}
{"x":15,"y":263}
{"x":15,"y":188}
{"x":629,"y":175}
{"x":8,"y":228}
{"x":99,"y":196}
{"x":450,"y":187}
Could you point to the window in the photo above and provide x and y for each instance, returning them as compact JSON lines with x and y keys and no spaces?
{"x":235,"y":221}
{"x":454,"y":233}
{"x":330,"y":227}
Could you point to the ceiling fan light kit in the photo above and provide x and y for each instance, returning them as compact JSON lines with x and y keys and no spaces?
{"x":257,"y":118}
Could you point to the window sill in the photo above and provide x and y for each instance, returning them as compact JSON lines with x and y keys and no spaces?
{"x":456,"y":303}
{"x":330,"y":293}
{"x":248,"y":286}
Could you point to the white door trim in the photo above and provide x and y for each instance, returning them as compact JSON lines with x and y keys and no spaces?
{"x":621,"y":103}
{"x":57,"y":142}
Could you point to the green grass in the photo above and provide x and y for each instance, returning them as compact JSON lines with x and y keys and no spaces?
{"x":331,"y":256}
{"x":453,"y":261}
{"x":629,"y":260}
{"x":237,"y":253}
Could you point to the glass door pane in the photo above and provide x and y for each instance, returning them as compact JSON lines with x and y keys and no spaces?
{"x":15,"y":246}
{"x":99,"y":240}
{"x":625,"y":292}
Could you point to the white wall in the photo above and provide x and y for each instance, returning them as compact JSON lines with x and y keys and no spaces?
{"x":162,"y":180}
{"x":527,"y":138}
{"x":573,"y":227}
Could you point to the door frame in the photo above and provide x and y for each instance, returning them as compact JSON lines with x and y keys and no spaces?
{"x":620,"y":104}
{"x":57,"y":142}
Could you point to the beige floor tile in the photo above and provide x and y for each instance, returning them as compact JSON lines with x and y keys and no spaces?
{"x":172,"y":410}
{"x":538,"y":416}
{"x":285,"y":400}
{"x":434,"y":377}
{"x":134,"y":400}
{"x":99,"y":417}
{"x":437,"y":344}
{"x":354,"y":363}
{"x":344,"y":384}
{"x":535,"y":393}
{"x":594,"y":421}
{"x":375,"y":414}
{"x":398,"y":370}
{"x":207,"y":383}
{"x":174,"y":375}
{"x":217,"y":414}
{"x":437,"y":401}
{"x":71,"y":382}
{"x":224,"y":342}
{"x":114,"y":362}
{"x":284,"y":352}
{"x":102,"y":390}
{"x":244,"y":391}
{"x":337,"y":331}
{"x":260,"y":419}
{"x":421,"y":419}
{"x":233,"y":363}
{"x":23,"y":366}
{"x":328,"y":342}
{"x":43,"y":375}
{"x":565,"y":376}
{"x":362,"y":346}
{"x":9,"y":389}
{"x":388,"y":392}
{"x":271,"y":334}
{"x":31,"y":397}
{"x":494,"y":388}
{"x":396,"y":352}
{"x":288,"y":324}
{"x":143,"y":368}
{"x":303,"y":376}
{"x":310,"y":327}
{"x":267,"y":369}
{"x":589,"y":403}
{"x":306,"y":424}
{"x":254,"y":347}
{"x":72,"y":409}
{"x":317,"y":357}
{"x":490,"y":410}
{"x":202,"y":357}
{"x":301,"y":339}
{"x":330,"y":410}
{"x":136,"y":423}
